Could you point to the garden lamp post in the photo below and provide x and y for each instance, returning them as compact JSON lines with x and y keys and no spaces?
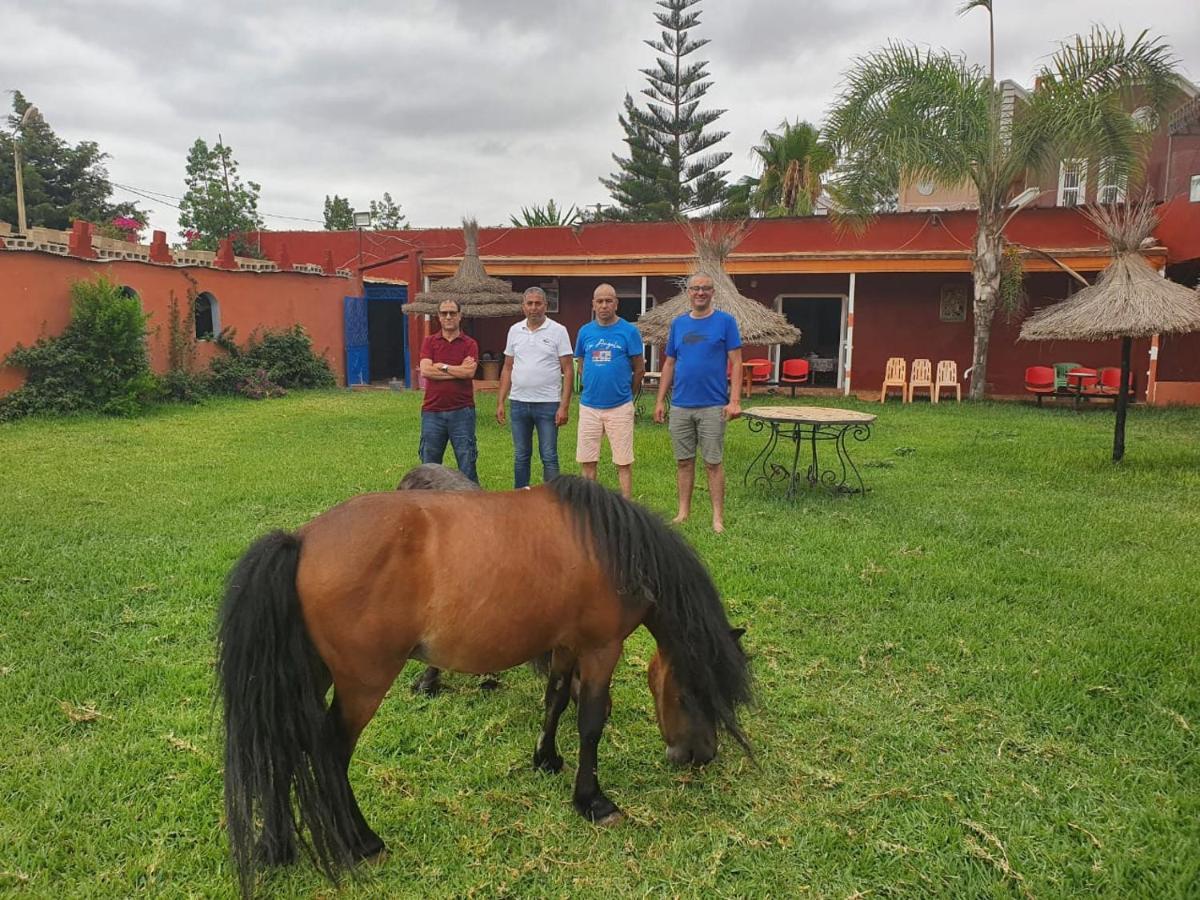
{"x":31,"y":115}
{"x":361,"y":220}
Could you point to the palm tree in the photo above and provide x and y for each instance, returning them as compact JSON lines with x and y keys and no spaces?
{"x":791,"y":164}
{"x":544,"y":216}
{"x":930,"y":116}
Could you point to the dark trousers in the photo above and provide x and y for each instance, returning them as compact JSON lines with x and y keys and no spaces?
{"x":457,"y":427}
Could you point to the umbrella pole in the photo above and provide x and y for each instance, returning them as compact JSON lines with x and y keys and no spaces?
{"x":1122,"y":399}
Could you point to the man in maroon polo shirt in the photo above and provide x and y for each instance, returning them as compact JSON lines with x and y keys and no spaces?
{"x":448,"y":360}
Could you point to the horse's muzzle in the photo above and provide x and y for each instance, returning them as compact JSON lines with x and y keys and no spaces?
{"x":684,"y":755}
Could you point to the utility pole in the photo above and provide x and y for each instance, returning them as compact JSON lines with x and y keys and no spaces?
{"x":225,"y":172}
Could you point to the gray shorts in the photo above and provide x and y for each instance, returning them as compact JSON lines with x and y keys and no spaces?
{"x":700,"y":425}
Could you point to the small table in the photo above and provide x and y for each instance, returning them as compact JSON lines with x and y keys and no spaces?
{"x":1081,"y":381}
{"x":748,"y":377}
{"x":811,"y":425}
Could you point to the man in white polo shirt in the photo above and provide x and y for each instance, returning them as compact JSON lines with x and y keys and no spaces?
{"x":539,"y":374}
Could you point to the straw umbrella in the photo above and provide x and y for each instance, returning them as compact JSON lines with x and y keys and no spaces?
{"x":756,"y":323}
{"x":1129,"y":300}
{"x":478,"y":294}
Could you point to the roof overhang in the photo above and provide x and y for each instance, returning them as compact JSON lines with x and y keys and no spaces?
{"x":1081,"y":259}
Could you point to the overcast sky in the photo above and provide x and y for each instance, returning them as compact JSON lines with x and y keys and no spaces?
{"x":464,"y":107}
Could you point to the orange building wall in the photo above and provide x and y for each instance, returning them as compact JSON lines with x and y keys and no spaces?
{"x":35,"y":300}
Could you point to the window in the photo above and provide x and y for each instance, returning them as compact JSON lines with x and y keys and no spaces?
{"x":1110,"y":186}
{"x":206,"y":315}
{"x":1072,"y":182}
{"x":1194,"y":195}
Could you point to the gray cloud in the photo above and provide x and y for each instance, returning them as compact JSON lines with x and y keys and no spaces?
{"x":464,"y":106}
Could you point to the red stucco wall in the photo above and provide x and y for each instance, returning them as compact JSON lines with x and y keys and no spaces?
{"x":35,"y":300}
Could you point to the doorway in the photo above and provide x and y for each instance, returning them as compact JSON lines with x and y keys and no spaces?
{"x":821,"y":319}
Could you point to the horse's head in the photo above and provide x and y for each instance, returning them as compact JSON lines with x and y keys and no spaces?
{"x":690,"y":735}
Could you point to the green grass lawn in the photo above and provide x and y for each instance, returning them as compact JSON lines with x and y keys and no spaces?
{"x":982,"y":679}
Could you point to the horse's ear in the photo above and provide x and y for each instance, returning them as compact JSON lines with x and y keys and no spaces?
{"x":737,"y":633}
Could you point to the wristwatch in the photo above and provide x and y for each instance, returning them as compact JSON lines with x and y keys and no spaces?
{"x":444,"y":367}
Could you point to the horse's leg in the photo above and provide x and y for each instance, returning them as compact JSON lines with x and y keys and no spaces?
{"x":349,"y":714}
{"x":558,"y":694}
{"x":428,"y":682}
{"x":595,"y":674}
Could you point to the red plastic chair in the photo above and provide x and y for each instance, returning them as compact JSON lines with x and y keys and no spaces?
{"x":794,"y":372}
{"x":1039,"y":380}
{"x":1110,"y":381}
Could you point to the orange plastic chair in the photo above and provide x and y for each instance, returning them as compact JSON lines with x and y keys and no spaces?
{"x":1039,"y":380}
{"x":921,"y":377}
{"x":946,"y":378}
{"x":895,"y":376}
{"x":794,"y":372}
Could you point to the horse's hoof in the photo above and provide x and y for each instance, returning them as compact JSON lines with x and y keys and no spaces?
{"x":600,"y":810}
{"x":488,"y":683}
{"x":427,"y":687}
{"x":378,"y":858}
{"x":373,"y":855}
{"x":548,"y":764}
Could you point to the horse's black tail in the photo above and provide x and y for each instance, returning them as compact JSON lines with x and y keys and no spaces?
{"x":648,"y":561}
{"x":278,"y":737}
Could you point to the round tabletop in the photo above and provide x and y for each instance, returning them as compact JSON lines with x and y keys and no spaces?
{"x":809,"y":415}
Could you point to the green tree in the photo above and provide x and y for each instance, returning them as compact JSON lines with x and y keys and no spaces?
{"x":339,"y":216}
{"x":904,"y":113}
{"x":386,"y":215}
{"x":542,"y":216}
{"x":216,"y":204}
{"x":639,"y":186}
{"x":61,"y":182}
{"x":671,"y":163}
{"x":792,"y":164}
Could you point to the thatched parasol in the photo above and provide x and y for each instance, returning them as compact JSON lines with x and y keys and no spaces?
{"x":756,"y":324}
{"x":1129,"y":300}
{"x":477,"y":293}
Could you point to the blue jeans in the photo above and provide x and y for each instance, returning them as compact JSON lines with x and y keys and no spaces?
{"x":457,"y":427}
{"x":524,"y":417}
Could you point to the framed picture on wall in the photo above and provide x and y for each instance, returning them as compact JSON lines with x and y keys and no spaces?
{"x":953,"y":307}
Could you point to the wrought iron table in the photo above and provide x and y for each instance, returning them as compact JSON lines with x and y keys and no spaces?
{"x":807,"y":427}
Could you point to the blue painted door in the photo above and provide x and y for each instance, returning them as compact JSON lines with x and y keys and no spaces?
{"x":394,"y":293}
{"x":358,"y":360}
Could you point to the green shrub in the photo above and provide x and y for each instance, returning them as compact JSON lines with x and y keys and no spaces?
{"x":182,"y":383}
{"x":280,"y":359}
{"x":98,"y":363}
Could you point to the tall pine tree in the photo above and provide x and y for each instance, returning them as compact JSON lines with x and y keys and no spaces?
{"x":670,"y":167}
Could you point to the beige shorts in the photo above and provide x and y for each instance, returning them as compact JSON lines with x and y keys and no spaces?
{"x":702,"y":426}
{"x":617,"y":423}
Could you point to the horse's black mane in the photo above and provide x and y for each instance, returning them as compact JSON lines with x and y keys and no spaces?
{"x":647,"y":561}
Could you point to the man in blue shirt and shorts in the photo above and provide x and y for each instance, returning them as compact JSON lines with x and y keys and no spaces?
{"x":610,"y":353}
{"x":700,"y":347}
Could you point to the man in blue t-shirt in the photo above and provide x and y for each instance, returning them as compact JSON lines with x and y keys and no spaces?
{"x":701,"y":346}
{"x":609,"y":351}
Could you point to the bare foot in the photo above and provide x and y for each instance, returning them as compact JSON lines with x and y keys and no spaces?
{"x":718,"y":526}
{"x":679,"y":519}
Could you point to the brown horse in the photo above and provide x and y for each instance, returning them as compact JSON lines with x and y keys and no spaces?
{"x":436,"y":477}
{"x":474,"y":582}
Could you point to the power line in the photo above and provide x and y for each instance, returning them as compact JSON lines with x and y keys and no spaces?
{"x":158,"y":197}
